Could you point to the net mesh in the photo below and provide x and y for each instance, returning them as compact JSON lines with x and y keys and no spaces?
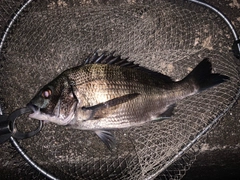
{"x":171,"y":37}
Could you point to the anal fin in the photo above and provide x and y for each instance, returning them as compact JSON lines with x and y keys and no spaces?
{"x":166,"y":114}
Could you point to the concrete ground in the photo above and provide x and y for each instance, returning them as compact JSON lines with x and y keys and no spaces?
{"x":220,"y":155}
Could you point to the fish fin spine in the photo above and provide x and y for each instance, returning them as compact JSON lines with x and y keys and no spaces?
{"x":107,"y":138}
{"x":109,"y":58}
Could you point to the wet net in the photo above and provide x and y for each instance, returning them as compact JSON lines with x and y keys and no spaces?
{"x":170,"y":37}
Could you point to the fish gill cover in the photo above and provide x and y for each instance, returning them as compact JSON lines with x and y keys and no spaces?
{"x":164,"y":36}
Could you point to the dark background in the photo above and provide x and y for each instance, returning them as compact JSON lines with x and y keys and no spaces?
{"x":220,"y":154}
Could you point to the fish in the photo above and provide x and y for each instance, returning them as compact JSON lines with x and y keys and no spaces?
{"x":108,"y":92}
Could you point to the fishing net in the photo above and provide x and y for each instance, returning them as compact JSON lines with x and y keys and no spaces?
{"x":170,"y":37}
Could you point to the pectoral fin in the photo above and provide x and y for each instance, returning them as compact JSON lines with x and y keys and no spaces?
{"x":107,"y":138}
{"x":108,"y":104}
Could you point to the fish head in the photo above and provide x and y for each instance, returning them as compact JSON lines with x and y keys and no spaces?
{"x":55,"y":102}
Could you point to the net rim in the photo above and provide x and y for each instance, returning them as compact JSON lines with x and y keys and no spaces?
{"x":189,"y":145}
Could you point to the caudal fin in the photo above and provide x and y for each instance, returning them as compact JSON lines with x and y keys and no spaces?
{"x":202,"y":76}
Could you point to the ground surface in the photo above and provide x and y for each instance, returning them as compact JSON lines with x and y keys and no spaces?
{"x":220,"y":157}
{"x":220,"y":154}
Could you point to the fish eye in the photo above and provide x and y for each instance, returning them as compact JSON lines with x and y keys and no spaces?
{"x":46,"y":93}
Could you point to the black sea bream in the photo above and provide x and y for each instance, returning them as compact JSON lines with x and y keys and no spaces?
{"x":108,"y":92}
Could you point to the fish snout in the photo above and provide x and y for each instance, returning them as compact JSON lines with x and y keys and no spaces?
{"x":33,"y":107}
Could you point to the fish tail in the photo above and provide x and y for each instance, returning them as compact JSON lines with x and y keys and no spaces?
{"x":203,"y":78}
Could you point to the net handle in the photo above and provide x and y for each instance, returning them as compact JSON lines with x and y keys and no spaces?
{"x":236,"y":45}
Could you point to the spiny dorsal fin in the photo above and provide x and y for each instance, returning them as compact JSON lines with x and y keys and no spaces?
{"x":105,"y":58}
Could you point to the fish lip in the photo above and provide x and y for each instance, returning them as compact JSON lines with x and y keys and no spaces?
{"x":37,"y":114}
{"x":33,"y":107}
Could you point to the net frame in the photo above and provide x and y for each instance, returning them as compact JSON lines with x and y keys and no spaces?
{"x":186,"y":147}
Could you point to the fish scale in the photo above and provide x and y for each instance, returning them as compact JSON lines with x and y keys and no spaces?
{"x":108,"y":92}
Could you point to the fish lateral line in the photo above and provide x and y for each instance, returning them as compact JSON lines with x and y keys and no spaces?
{"x":64,"y":102}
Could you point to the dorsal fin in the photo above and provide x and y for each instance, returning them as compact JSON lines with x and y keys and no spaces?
{"x":105,"y":58}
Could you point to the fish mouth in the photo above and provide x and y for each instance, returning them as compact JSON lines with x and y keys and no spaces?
{"x":33,"y":107}
{"x":55,"y":118}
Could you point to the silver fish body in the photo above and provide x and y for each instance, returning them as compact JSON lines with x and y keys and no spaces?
{"x":108,"y":92}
